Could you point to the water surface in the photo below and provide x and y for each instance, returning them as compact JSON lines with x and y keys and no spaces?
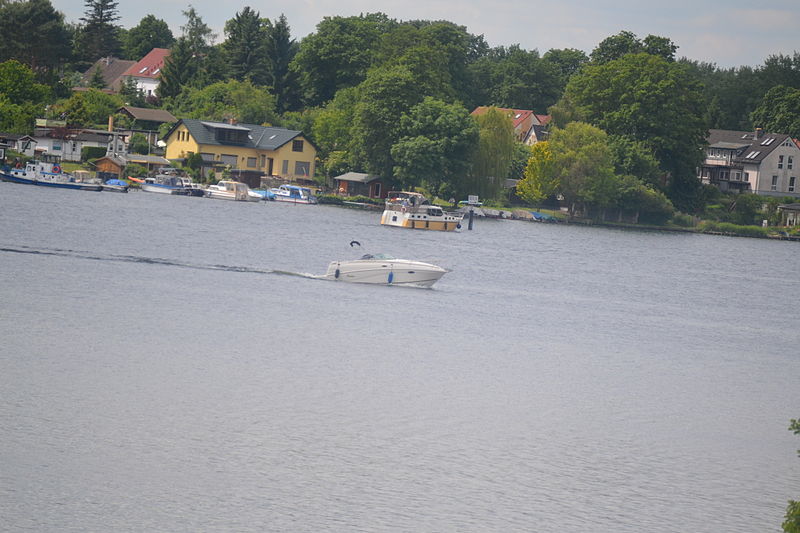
{"x":161,"y":371}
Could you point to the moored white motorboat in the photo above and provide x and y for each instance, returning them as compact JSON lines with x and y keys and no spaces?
{"x":231,"y":190}
{"x":412,"y":210}
{"x":383,"y":269}
{"x":291,"y":193}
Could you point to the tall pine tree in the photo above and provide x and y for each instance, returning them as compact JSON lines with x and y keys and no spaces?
{"x":99,"y":36}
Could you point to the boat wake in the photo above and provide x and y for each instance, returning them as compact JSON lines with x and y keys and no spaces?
{"x":79,"y":254}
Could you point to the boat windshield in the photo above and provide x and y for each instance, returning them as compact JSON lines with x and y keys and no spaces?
{"x":377,"y":256}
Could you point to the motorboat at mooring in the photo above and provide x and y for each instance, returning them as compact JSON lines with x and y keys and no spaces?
{"x":383,"y":269}
{"x":47,"y":174}
{"x":291,"y":193}
{"x":231,"y":190}
{"x":412,"y":210}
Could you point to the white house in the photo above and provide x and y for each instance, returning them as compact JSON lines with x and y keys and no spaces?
{"x":146,"y":73}
{"x":767,"y":164}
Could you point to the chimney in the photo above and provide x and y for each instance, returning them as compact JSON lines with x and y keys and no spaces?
{"x":111,"y":123}
{"x":759,"y":133}
{"x":232,"y":121}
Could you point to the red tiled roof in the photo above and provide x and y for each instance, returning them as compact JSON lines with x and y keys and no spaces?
{"x":150,"y":65}
{"x":518,"y":116}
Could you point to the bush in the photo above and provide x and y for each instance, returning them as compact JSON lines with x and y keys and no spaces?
{"x":733,"y":229}
{"x":92,"y":152}
{"x":330,"y":199}
{"x":683,"y":220}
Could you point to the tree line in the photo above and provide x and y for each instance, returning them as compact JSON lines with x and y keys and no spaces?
{"x":393,"y":98}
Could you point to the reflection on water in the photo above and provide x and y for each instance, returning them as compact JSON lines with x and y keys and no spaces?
{"x":158,"y":375}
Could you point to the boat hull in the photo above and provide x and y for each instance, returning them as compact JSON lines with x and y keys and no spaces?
{"x":414,"y":220}
{"x":392,"y":272}
{"x":162,"y":189}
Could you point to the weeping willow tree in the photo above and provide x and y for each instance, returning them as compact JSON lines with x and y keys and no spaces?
{"x":494,"y":155}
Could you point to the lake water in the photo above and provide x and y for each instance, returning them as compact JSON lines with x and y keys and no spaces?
{"x":160,"y":370}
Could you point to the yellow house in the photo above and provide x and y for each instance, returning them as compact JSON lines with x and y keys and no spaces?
{"x":271,"y":151}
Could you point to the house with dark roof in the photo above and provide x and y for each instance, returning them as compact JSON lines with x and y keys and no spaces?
{"x":268,"y":151}
{"x":111,"y":68}
{"x":752,"y":161}
{"x":360,"y":184}
{"x":147,"y":116}
{"x":146,"y":72}
{"x":529,"y":128}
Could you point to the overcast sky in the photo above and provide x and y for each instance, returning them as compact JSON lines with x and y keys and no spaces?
{"x":730,"y":33}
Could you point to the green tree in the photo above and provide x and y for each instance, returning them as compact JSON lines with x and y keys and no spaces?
{"x":87,"y":108}
{"x":34,"y":34}
{"x":517,"y":79}
{"x":246,"y":46}
{"x":583,"y":167}
{"x":647,"y":99}
{"x":332,"y":128}
{"x":433,"y":150}
{"x":540,"y":180}
{"x":18,"y":84}
{"x":338,"y":54}
{"x":151,"y":32}
{"x":779,"y":111}
{"x":281,"y":50}
{"x":138,"y":144}
{"x":791,"y":523}
{"x":131,"y":93}
{"x":180,"y":68}
{"x":492,"y":159}
{"x":625,"y":42}
{"x":240,"y":100}
{"x":98,"y":37}
{"x":198,"y":35}
{"x":97,"y":81}
{"x":386,"y":94}
{"x":567,"y":61}
{"x":635,"y":158}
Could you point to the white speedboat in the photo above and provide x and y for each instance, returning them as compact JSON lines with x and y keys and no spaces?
{"x":382,"y":269}
{"x":231,"y":190}
{"x":412,"y":210}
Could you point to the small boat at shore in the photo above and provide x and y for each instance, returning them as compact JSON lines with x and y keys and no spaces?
{"x":383,"y":269}
{"x":292,"y":194}
{"x":412,"y":210}
{"x":114,"y":185}
{"x":231,"y":190}
{"x":47,"y":174}
{"x":170,"y":184}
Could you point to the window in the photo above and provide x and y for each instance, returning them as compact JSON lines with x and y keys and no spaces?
{"x":251,"y":162}
{"x":56,"y":146}
{"x":302,"y":168}
{"x":297,"y":145}
{"x":263,"y":160}
{"x":780,"y":161}
{"x":791,"y":184}
{"x":229,"y":159}
{"x":789,"y":163}
{"x":285,"y":168}
{"x":738,"y":176}
{"x":774,"y":183}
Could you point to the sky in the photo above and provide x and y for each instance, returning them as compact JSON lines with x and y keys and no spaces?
{"x":729,"y":34}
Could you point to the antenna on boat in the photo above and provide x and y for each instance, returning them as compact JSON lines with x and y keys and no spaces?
{"x":353,"y":243}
